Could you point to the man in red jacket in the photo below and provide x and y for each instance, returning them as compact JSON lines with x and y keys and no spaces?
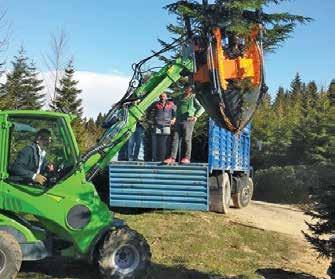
{"x":164,"y":116}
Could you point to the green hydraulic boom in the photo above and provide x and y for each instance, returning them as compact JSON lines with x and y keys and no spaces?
{"x":124,"y":116}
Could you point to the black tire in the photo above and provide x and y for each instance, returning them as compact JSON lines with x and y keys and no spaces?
{"x":226,"y":193}
{"x":10,"y":256}
{"x":244,"y":196}
{"x":124,"y":254}
{"x":219,"y":193}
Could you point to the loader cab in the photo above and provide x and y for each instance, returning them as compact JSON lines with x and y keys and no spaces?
{"x":23,"y":154}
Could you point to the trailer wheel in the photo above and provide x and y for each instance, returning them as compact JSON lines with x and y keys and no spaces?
{"x":219,"y":193}
{"x":124,"y":254}
{"x":243,"y":197}
{"x":226,"y":193}
{"x":10,"y":256}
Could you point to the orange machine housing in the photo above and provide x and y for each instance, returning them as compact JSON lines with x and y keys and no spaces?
{"x":249,"y":65}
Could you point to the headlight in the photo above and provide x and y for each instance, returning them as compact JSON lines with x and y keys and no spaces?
{"x":78,"y":217}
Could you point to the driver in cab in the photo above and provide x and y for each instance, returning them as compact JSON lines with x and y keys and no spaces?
{"x":31,"y":162}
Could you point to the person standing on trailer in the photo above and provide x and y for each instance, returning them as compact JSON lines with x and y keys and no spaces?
{"x":135,"y":143}
{"x":188,"y":111}
{"x":164,"y":117}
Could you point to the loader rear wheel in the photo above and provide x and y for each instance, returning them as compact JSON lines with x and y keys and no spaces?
{"x":124,"y":254}
{"x":10,"y":256}
{"x":243,"y":197}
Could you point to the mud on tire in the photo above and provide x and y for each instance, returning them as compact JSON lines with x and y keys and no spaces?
{"x":124,"y":254}
{"x":10,"y":256}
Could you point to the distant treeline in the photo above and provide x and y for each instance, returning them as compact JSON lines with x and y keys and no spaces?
{"x":292,"y":137}
{"x":24,"y":89}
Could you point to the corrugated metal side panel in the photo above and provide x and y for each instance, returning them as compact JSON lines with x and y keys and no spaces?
{"x":153,"y":185}
{"x":227,"y":151}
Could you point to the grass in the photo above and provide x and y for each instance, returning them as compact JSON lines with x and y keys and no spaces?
{"x":195,"y":245}
{"x":210,"y":244}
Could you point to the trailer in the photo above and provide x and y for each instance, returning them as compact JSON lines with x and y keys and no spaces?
{"x":211,"y":186}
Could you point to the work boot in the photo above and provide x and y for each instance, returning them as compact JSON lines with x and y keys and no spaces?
{"x":185,"y":161}
{"x":169,"y":161}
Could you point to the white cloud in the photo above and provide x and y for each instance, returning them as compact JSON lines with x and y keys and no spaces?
{"x":99,"y":91}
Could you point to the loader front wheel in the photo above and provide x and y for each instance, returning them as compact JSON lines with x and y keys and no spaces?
{"x":124,"y":254}
{"x":10,"y":256}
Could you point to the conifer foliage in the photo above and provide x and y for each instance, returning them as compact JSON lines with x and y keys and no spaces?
{"x":295,"y":128}
{"x":278,"y":26}
{"x":297,"y":131}
{"x":323,"y":198}
{"x":23,"y":89}
{"x":68,"y":100}
{"x":67,"y":94}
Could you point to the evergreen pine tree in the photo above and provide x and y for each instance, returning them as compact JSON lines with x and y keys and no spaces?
{"x":313,"y":94}
{"x":262,"y":135}
{"x":23,"y":88}
{"x":278,"y":26}
{"x":296,"y":88}
{"x":67,"y":94}
{"x":331,"y":92}
{"x":282,"y":134}
{"x":323,"y":198}
{"x":307,"y":131}
{"x":67,"y":100}
{"x":279,"y":105}
{"x":99,"y":120}
{"x":92,"y":132}
{"x":294,"y":104}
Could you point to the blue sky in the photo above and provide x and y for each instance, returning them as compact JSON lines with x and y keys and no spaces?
{"x":106,"y":37}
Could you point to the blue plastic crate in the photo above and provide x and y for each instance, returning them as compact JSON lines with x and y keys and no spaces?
{"x":228,"y":151}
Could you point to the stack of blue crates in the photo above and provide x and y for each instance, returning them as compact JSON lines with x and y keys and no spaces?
{"x":228,"y":151}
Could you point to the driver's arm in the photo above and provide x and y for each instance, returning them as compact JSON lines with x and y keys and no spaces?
{"x":21,"y":165}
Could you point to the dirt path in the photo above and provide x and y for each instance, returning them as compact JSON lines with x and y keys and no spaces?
{"x":284,"y":219}
{"x":272,"y":217}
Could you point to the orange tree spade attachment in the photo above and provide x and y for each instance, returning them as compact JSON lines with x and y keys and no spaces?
{"x":232,"y":72}
{"x":227,"y":38}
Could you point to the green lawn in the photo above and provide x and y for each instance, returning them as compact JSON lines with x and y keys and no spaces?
{"x":193,"y":245}
{"x":209,"y":244}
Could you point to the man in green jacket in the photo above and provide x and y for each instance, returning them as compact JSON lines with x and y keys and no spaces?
{"x":188,"y":111}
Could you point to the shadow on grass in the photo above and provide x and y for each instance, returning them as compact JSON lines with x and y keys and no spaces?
{"x":277,"y":273}
{"x":139,"y":211}
{"x":130,"y":211}
{"x":62,"y":268}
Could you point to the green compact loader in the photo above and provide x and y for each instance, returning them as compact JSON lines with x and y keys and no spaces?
{"x":63,"y":217}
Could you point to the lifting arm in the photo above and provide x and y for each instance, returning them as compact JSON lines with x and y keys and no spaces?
{"x":121,"y":120}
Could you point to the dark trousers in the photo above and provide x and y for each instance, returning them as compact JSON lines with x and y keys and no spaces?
{"x":123,"y":153}
{"x":135,"y":143}
{"x":161,"y":147}
{"x":183,"y":132}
